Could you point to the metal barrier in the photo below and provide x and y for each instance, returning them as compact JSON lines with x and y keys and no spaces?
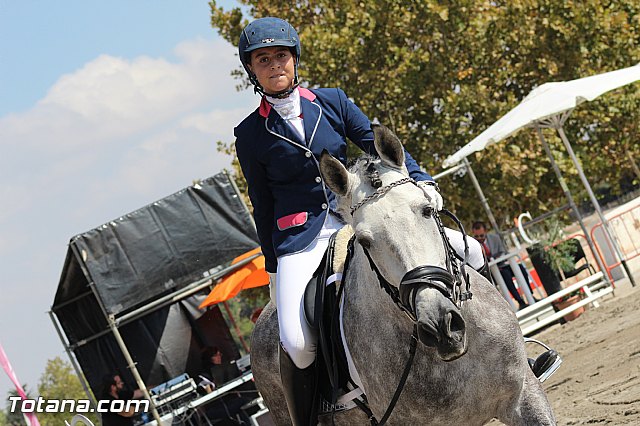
{"x":539,"y":314}
{"x":626,"y":230}
{"x":625,"y":237}
{"x":543,"y":312}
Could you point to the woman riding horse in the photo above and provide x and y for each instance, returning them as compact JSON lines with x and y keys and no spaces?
{"x":278,"y":147}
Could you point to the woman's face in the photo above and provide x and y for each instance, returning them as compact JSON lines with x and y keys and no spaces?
{"x":274,"y":67}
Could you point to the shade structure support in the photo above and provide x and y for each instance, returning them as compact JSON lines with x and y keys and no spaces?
{"x":236,"y":328}
{"x":74,"y":363}
{"x":132,"y":366}
{"x":556,"y":122}
{"x":483,"y":199}
{"x":572,"y":204}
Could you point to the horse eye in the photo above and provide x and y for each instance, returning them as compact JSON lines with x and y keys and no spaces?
{"x":427,"y":211}
{"x":364,"y":241}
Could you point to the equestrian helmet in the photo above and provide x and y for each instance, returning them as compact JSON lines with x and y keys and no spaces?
{"x":266,"y":32}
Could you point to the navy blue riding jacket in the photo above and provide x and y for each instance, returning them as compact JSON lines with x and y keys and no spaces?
{"x":290,"y":200}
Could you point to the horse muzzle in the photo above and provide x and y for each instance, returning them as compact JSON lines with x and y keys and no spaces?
{"x":444,"y":331}
{"x":427,"y":290}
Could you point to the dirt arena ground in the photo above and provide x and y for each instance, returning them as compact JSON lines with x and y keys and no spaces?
{"x":599,"y":380}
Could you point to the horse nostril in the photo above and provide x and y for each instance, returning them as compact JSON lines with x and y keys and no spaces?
{"x":454,"y":324}
{"x":428,"y":335}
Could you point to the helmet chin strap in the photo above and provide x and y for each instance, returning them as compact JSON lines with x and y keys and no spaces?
{"x":279,"y":95}
{"x":257,"y":88}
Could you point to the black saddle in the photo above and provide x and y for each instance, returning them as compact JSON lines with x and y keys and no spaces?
{"x":322,"y":309}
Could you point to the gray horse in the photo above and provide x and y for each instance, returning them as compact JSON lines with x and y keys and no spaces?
{"x":471,"y":366}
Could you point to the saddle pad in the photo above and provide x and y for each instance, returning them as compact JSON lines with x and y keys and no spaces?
{"x":340,"y":251}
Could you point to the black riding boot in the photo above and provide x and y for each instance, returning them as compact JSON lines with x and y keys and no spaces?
{"x":300,"y":391}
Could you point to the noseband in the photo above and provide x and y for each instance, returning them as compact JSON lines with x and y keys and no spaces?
{"x":447,"y":281}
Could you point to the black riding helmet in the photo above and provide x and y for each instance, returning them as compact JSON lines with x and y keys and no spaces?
{"x":265,"y":32}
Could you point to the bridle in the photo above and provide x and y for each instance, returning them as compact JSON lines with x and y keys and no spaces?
{"x":447,"y":281}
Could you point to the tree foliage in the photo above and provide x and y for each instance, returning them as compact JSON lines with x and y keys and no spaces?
{"x":439,"y":73}
{"x":59,"y":381}
{"x":15,"y":418}
{"x":242,"y":308}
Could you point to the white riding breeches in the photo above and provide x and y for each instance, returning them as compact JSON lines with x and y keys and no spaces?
{"x":294,"y":272}
{"x":476,"y":258}
{"x":296,"y":269}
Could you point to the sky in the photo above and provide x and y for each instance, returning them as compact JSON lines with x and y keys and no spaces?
{"x":104,"y":107}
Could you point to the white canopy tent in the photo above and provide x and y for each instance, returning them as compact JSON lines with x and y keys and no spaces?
{"x":546,"y":102}
{"x":548,"y":106}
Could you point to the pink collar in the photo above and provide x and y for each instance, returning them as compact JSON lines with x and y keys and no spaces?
{"x":265,"y":107}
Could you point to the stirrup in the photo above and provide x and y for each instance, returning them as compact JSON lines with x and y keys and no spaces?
{"x":545,"y":364}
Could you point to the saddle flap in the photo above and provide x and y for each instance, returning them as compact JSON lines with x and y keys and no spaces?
{"x":330,"y":270}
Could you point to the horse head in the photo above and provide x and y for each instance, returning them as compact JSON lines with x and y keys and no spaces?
{"x":397,"y":234}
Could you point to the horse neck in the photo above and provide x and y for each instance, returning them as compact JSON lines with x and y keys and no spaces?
{"x":367,"y":299}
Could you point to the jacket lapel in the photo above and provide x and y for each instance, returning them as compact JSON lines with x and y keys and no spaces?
{"x":278,"y":125}
{"x":311,"y":114}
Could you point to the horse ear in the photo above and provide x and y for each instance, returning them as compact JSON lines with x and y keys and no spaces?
{"x":334,"y":173}
{"x":388,"y":146}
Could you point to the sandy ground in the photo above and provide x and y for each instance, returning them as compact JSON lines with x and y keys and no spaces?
{"x":599,"y":380}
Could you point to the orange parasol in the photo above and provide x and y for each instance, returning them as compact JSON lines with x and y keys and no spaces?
{"x":250,"y":275}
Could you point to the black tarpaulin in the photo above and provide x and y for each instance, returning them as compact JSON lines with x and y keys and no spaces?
{"x":132,"y":261}
{"x":159,"y":248}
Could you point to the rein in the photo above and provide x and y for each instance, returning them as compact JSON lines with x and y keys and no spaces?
{"x":447,"y":281}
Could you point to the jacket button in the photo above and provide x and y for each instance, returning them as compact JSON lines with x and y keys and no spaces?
{"x":307,"y":154}
{"x":324,"y":206}
{"x":318,"y":179}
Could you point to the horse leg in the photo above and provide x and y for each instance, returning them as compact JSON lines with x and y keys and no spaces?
{"x":532,"y":407}
{"x":265,"y":365}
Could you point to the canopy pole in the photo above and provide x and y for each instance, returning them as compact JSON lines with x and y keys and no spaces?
{"x":594,"y":201}
{"x":572,"y":204}
{"x":449,"y":171}
{"x":81,"y":377}
{"x":236,"y":328}
{"x":132,"y":366}
{"x":483,"y":200}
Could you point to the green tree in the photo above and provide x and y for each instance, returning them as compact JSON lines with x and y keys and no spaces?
{"x":439,"y":73}
{"x":3,"y":419}
{"x":242,"y":307}
{"x":15,"y":418}
{"x":59,"y":381}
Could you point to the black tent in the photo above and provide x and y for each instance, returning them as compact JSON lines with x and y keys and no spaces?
{"x":131,"y":287}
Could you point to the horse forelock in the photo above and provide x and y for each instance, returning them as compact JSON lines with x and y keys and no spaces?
{"x":357,"y":167}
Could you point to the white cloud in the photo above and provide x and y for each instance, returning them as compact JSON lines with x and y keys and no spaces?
{"x":119,"y":128}
{"x":111,"y":97}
